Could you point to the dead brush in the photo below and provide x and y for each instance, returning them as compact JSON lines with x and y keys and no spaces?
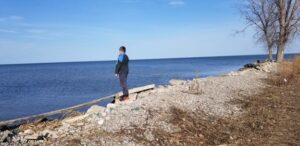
{"x":296,"y":65}
{"x":40,"y":126}
{"x":194,"y":88}
{"x":287,"y":72}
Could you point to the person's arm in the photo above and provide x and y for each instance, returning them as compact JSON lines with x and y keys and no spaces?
{"x":117,"y":69}
{"x":119,"y":64}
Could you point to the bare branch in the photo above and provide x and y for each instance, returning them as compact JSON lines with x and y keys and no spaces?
{"x":261,"y":15}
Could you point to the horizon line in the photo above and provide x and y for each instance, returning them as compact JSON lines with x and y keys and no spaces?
{"x":88,"y":61}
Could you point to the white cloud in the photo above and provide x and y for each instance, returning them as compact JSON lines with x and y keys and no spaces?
{"x":176,"y":3}
{"x":131,"y":1}
{"x":11,"y":18}
{"x":36,"y":31}
{"x":36,"y":37}
{"x":7,"y":31}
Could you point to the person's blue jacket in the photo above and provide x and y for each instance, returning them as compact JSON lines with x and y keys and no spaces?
{"x":122,"y":64}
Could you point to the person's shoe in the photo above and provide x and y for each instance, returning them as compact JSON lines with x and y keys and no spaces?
{"x":125,"y":98}
{"x":121,"y":98}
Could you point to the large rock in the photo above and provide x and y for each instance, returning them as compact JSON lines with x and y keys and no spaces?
{"x":133,"y":96}
{"x":5,"y":136}
{"x":48,"y":133}
{"x":33,"y":137}
{"x":250,"y":65}
{"x":268,"y":67}
{"x":41,"y":135}
{"x":177,"y":82}
{"x":74,"y":119}
{"x":95,"y":109}
{"x":161,"y":89}
{"x":233,"y":73}
{"x":28,"y":132}
{"x":110,"y":107}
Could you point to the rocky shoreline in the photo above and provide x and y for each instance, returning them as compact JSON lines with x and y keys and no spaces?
{"x":148,"y":111}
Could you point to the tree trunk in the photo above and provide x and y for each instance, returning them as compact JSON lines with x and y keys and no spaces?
{"x":270,"y":53}
{"x":280,"y":53}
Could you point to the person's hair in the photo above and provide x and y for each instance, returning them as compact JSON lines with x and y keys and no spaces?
{"x":123,"y":48}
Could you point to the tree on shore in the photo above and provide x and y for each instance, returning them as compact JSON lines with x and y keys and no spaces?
{"x":288,"y":17}
{"x":277,"y":22}
{"x":260,"y":14}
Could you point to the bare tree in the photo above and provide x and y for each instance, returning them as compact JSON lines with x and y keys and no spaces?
{"x":288,"y":17}
{"x":261,"y":15}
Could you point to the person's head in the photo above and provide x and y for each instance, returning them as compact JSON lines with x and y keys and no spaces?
{"x":122,"y":49}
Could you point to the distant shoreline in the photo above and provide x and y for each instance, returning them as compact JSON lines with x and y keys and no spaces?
{"x":41,"y":63}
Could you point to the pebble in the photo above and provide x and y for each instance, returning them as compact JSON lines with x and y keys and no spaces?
{"x":100,"y":122}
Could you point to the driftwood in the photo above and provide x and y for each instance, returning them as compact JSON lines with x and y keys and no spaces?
{"x":76,"y":107}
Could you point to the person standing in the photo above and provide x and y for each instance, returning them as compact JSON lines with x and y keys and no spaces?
{"x":122,"y":70}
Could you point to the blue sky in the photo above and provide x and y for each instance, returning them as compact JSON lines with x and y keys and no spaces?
{"x":33,"y":31}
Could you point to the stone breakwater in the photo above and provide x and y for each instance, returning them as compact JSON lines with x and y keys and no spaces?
{"x":149,"y":111}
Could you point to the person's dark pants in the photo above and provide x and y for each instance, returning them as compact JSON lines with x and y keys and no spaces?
{"x":123,"y":83}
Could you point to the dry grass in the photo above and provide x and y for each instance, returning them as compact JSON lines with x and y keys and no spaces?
{"x":39,"y":126}
{"x":194,"y":88}
{"x":287,"y":71}
{"x":73,"y":142}
{"x":190,"y":132}
{"x":296,"y":65}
